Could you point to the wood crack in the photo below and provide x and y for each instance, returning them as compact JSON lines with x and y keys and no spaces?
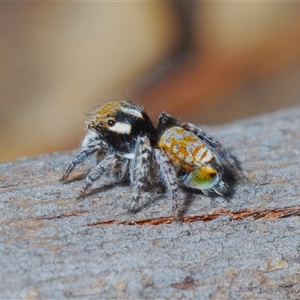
{"x":267,"y":214}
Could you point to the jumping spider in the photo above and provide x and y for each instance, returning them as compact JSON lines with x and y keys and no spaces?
{"x":129,"y":147}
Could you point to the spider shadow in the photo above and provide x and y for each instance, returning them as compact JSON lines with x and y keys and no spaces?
{"x":188,"y":199}
{"x":106,"y":187}
{"x":228,"y":177}
{"x":159,"y":193}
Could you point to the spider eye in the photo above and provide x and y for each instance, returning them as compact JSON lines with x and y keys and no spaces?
{"x":111,"y":122}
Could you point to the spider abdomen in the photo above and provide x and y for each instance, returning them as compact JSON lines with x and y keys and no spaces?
{"x":190,"y":157}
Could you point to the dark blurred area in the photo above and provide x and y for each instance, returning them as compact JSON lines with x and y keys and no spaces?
{"x":204,"y":62}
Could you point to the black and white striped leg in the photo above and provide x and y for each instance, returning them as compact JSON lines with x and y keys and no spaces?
{"x":169,"y":177}
{"x":89,"y":146}
{"x":108,"y":165}
{"x":222,"y":153}
{"x":139,"y":169}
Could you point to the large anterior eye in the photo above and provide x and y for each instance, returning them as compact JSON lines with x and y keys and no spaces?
{"x":111,"y":122}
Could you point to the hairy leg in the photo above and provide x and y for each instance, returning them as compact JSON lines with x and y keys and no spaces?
{"x":110,"y":165}
{"x":90,"y":145}
{"x":139,"y":169}
{"x":169,"y":177}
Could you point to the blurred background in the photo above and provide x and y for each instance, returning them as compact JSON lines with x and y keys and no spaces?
{"x":204,"y":62}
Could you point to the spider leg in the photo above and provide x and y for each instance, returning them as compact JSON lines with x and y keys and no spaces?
{"x":222,"y":153}
{"x":169,"y":177}
{"x":113,"y":165}
{"x":90,"y":145}
{"x":139,"y":169}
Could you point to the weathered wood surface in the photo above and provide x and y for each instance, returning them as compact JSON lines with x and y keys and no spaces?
{"x":247,"y":247}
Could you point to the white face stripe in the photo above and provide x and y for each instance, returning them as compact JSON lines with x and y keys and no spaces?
{"x":132,"y":111}
{"x":120,"y":127}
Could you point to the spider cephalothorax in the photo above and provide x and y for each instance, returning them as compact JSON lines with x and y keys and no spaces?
{"x":129,"y":147}
{"x":119,"y":124}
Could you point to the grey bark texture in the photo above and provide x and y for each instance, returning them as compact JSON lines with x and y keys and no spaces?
{"x":243,"y":247}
